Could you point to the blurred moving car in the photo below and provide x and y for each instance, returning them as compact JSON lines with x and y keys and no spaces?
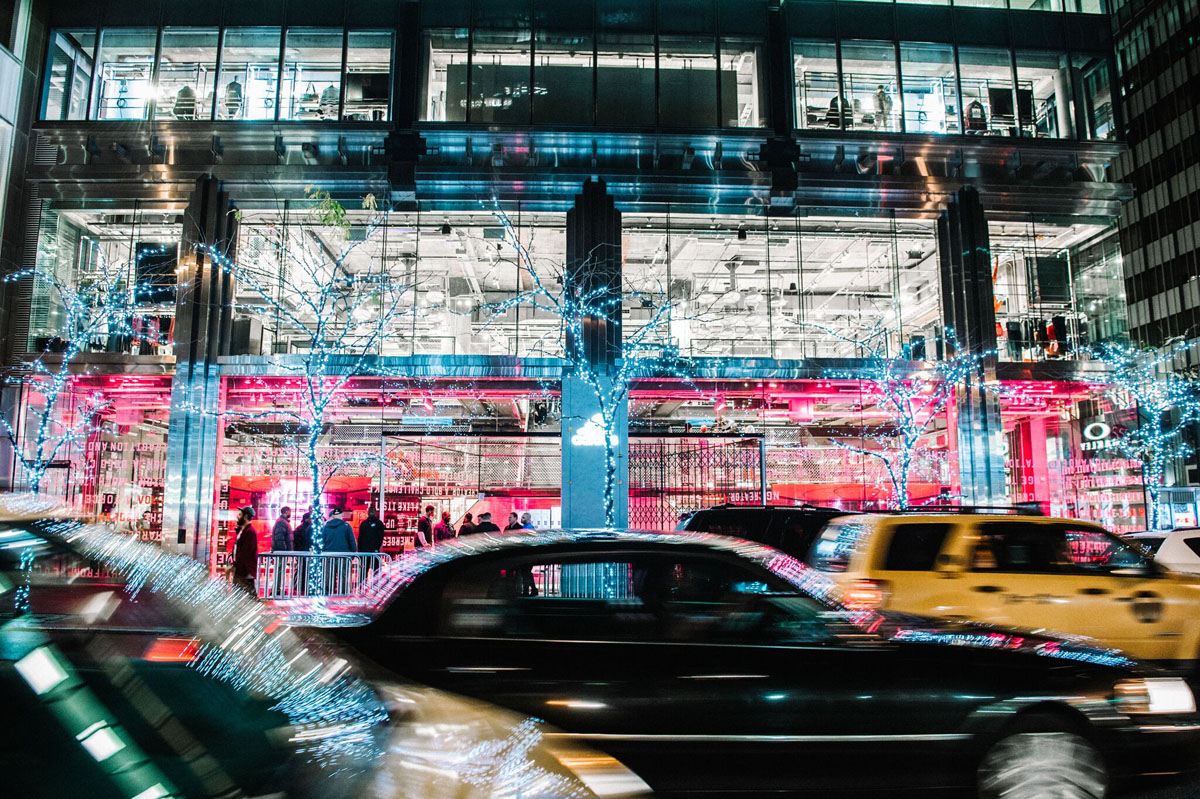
{"x":1027,"y":572}
{"x":788,"y":528}
{"x":1178,"y":550}
{"x":707,"y":663}
{"x":125,"y":673}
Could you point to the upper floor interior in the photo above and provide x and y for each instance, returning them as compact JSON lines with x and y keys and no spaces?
{"x":1008,"y":68}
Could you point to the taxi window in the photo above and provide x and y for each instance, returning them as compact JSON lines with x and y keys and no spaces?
{"x":837,"y":544}
{"x":1096,"y":551}
{"x":1018,"y":548}
{"x":915,"y":547}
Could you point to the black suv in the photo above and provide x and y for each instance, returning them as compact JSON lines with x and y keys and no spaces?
{"x":788,"y":528}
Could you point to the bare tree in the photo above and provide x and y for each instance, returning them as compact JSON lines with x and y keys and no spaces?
{"x":94,"y":310}
{"x":911,"y":393}
{"x":337,"y":301}
{"x":1167,"y":403}
{"x":564,"y":293}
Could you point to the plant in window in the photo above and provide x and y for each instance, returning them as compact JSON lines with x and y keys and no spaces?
{"x":1167,"y":403}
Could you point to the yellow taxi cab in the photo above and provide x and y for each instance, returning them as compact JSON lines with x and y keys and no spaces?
{"x":1028,"y":572}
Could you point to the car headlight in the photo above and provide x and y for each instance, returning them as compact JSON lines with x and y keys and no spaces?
{"x":1154,"y":695}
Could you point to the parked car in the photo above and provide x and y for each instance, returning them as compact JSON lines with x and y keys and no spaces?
{"x":1178,"y":550}
{"x":707,"y":663}
{"x":788,"y":528}
{"x":126,"y":672}
{"x":1027,"y":572}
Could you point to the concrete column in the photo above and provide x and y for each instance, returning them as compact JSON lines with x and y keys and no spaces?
{"x":202,"y":324}
{"x":584,"y":457}
{"x":593,"y":268}
{"x":968,"y":307}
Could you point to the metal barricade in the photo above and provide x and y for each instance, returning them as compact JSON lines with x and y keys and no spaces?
{"x":282,"y":575}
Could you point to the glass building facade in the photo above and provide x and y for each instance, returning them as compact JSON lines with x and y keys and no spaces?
{"x":771,"y":182}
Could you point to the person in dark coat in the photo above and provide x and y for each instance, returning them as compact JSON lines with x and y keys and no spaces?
{"x":443,"y":530}
{"x":370,"y":533}
{"x":245,"y":550}
{"x":281,"y":533}
{"x":514,"y":523}
{"x":337,"y":535}
{"x":424,"y":536}
{"x":302,"y":535}
{"x":486,"y":525}
{"x":468,"y":525}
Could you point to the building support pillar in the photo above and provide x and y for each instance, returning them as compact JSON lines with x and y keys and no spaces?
{"x":968,"y":304}
{"x":590,"y":446}
{"x":202,"y":332}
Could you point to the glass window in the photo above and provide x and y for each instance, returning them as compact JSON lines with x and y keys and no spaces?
{"x":247,"y":87}
{"x":687,"y":81}
{"x":815,"y":64}
{"x":1098,"y":551}
{"x":987,"y":91}
{"x":1018,"y":548}
{"x":1092,"y":87}
{"x":69,"y":75}
{"x":915,"y":547}
{"x":126,"y":71}
{"x":1042,"y":97}
{"x":743,"y":95}
{"x":869,"y":82}
{"x":1086,"y":6}
{"x":186,"y":73}
{"x":629,"y":598}
{"x":445,"y":76}
{"x":1035,"y":5}
{"x":930,"y":92}
{"x":368,"y":75}
{"x":500,"y":77}
{"x":312,"y":74}
{"x":625,"y":80}
{"x":981,"y":3}
{"x":562,"y":75}
{"x":837,"y":544}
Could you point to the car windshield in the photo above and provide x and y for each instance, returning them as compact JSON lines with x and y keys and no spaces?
{"x":1150,"y":543}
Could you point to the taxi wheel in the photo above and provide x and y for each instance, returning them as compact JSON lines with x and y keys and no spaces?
{"x":1039,"y":765}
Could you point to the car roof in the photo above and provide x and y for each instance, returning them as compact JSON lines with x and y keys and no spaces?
{"x":943,"y":517}
{"x":31,"y":508}
{"x":397,"y":574}
{"x":780,"y":508}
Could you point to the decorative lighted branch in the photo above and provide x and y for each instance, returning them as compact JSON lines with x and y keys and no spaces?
{"x":1167,"y":403}
{"x":99,"y":308}
{"x":340,"y":313}
{"x":555,"y":291}
{"x":912,"y":394}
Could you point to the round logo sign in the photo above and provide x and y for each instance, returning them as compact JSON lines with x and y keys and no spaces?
{"x":1097,"y":431}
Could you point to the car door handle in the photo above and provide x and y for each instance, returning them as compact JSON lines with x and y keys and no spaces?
{"x":1094,"y":591}
{"x":987,"y":589}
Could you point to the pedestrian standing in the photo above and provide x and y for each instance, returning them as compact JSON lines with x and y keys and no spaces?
{"x":513,"y":522}
{"x":424,"y":536}
{"x":468,"y":525}
{"x":443,"y":530}
{"x":245,"y":551}
{"x":526,"y":521}
{"x":370,"y":533}
{"x":302,"y":535}
{"x":337,"y":536}
{"x":281,"y":533}
{"x":486,"y":525}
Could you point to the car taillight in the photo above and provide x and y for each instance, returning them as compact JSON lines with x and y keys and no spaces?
{"x":172,"y":650}
{"x":864,"y":595}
